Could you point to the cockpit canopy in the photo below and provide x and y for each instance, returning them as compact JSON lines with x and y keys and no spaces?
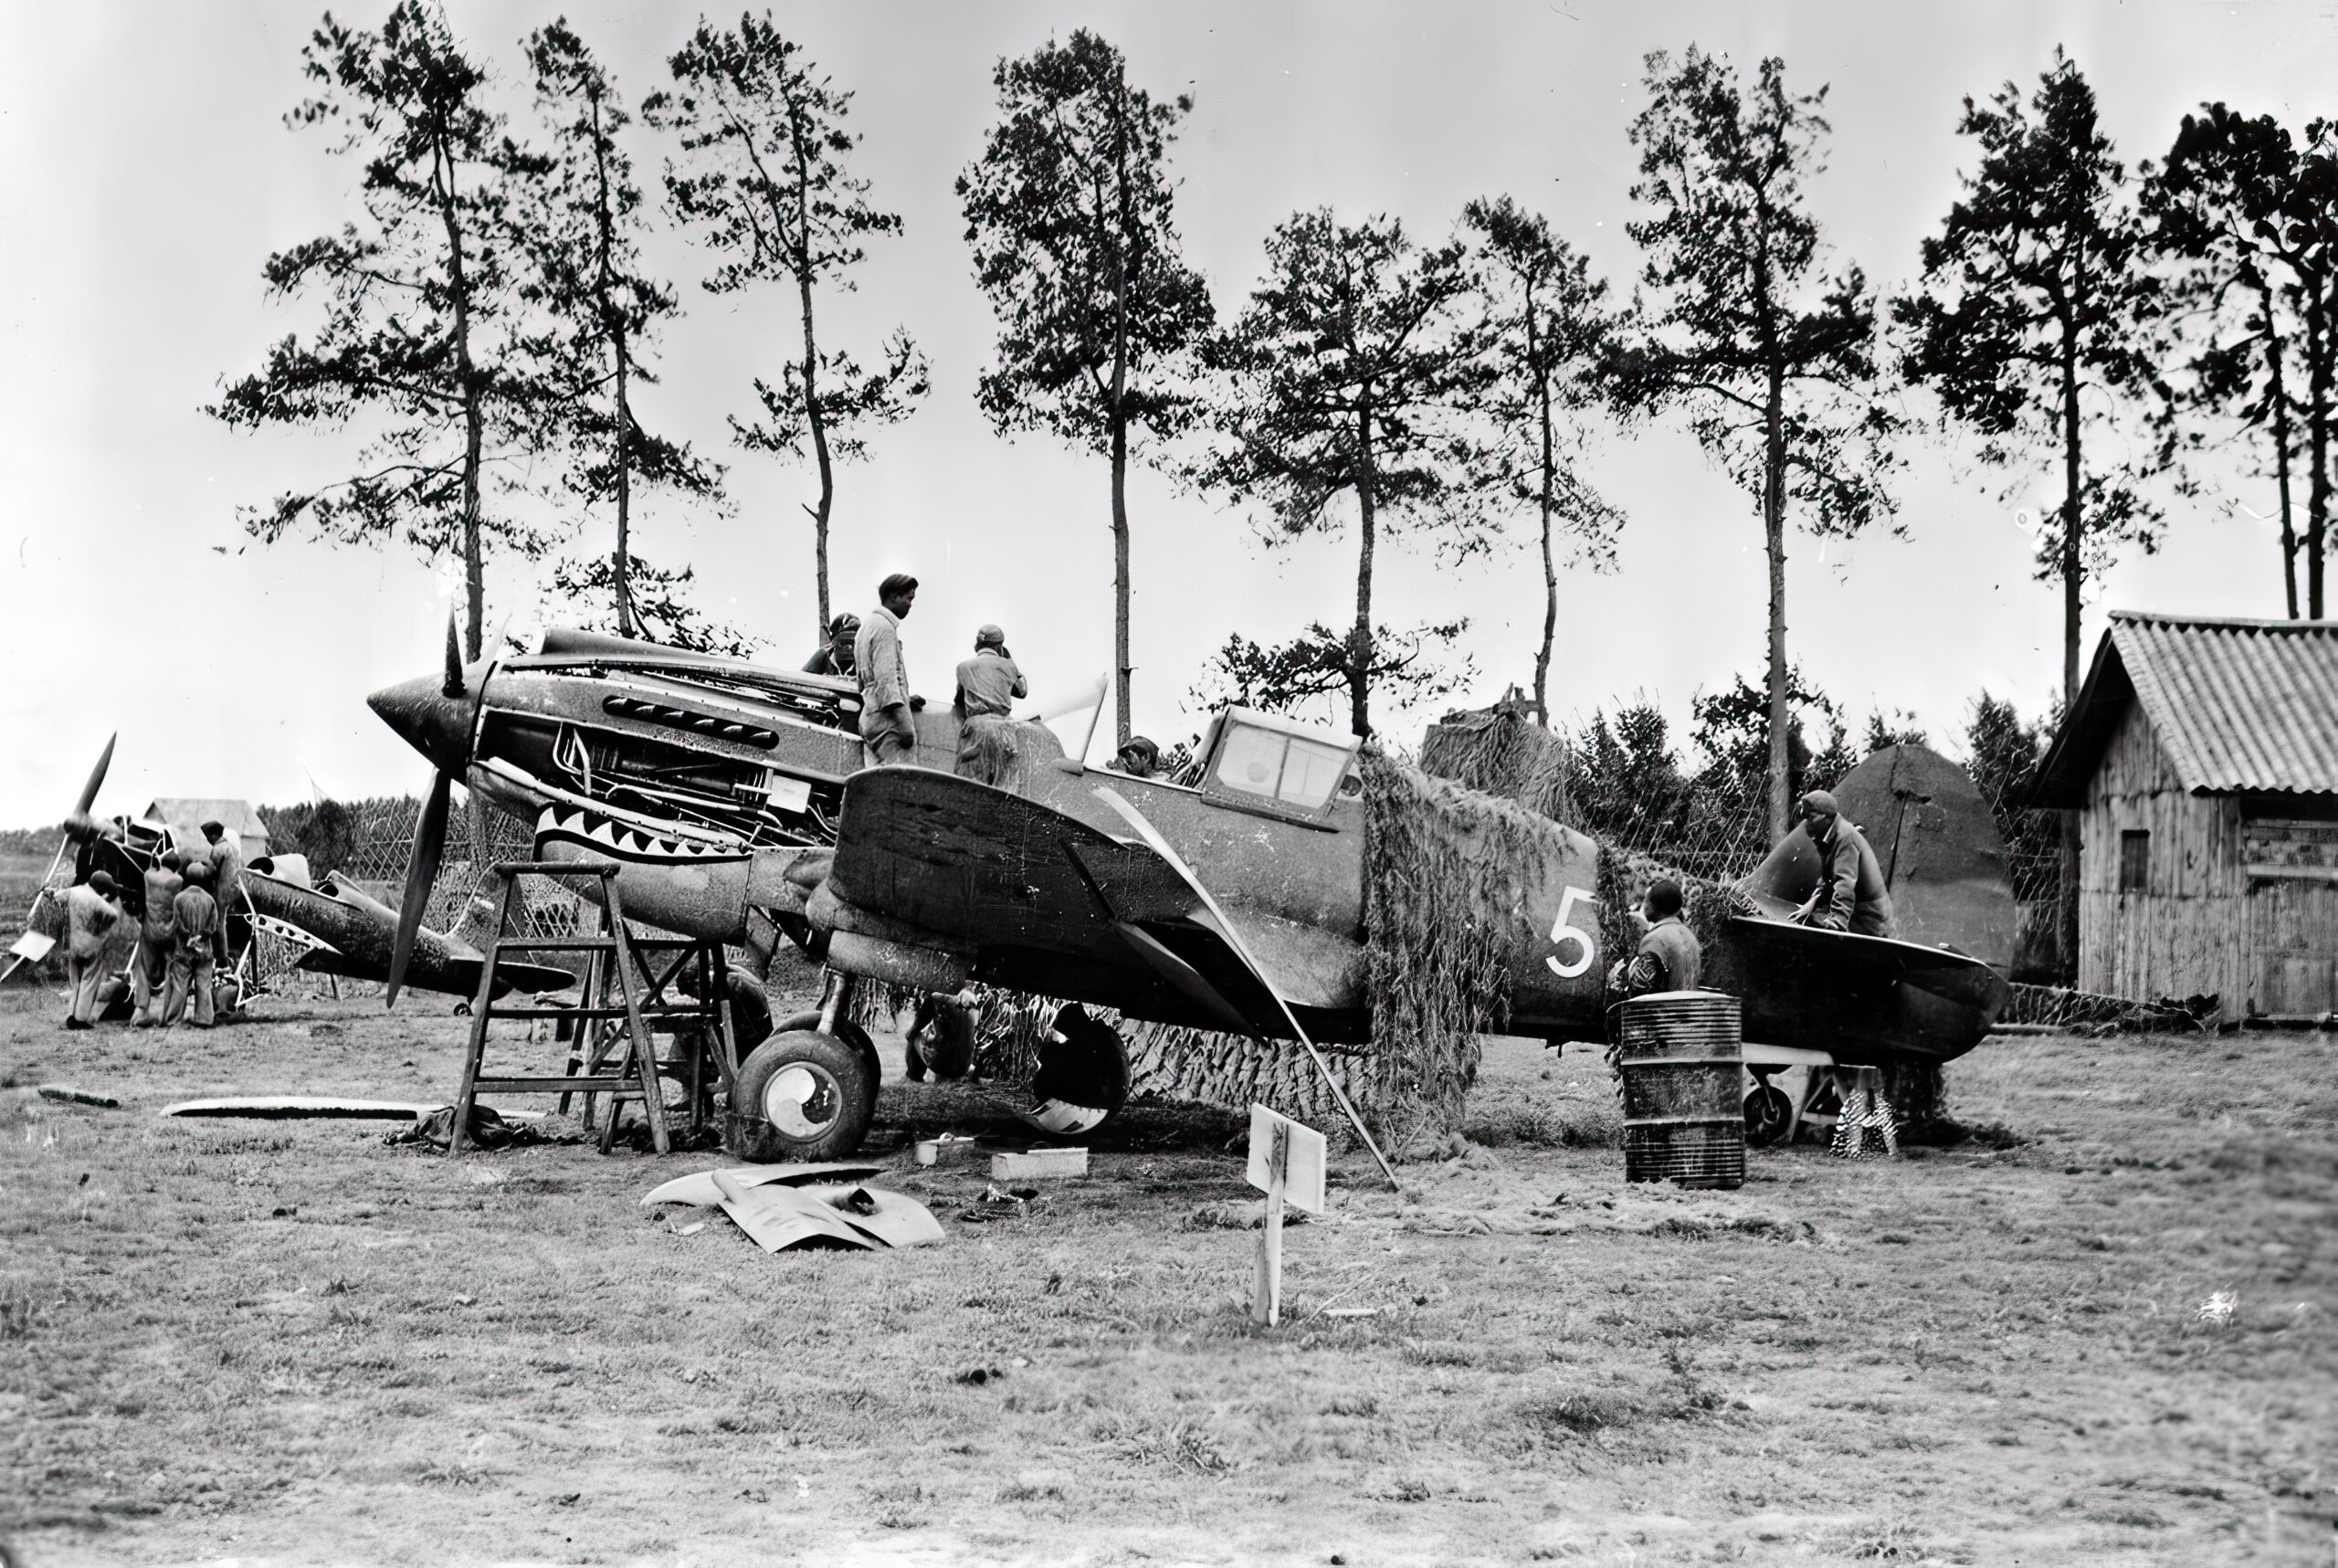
{"x":1262,"y":760}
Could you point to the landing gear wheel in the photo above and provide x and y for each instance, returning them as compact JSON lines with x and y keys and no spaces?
{"x":802,"y":1095}
{"x":1769,"y":1115}
{"x":1083,"y":1077}
{"x":852,"y":1035}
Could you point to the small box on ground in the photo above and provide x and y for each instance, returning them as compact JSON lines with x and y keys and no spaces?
{"x":1011,"y":1166}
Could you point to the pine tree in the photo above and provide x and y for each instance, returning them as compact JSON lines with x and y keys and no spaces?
{"x":2034,"y":325}
{"x":764,"y":183}
{"x":1772,"y":355}
{"x":1544,"y":335}
{"x":584,"y":235}
{"x":1070,"y":212}
{"x":1346,"y":377}
{"x":424,"y":336}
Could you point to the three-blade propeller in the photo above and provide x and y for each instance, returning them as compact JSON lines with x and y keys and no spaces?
{"x":429,"y":842}
{"x":80,"y":814}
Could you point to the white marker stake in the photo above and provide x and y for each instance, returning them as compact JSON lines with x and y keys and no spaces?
{"x":1266,"y":1280}
{"x":1287,"y":1162}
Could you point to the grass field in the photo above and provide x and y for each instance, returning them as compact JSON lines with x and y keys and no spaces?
{"x":2112,"y":1343}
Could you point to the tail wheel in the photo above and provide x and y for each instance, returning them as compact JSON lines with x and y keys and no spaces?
{"x":1083,"y":1077}
{"x":1769,"y":1115}
{"x":802,"y":1095}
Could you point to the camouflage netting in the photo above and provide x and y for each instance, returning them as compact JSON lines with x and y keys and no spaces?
{"x":1498,"y":751}
{"x":1170,"y":1063}
{"x":1446,"y":872}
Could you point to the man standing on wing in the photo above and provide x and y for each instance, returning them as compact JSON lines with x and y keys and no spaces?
{"x":988,"y":685}
{"x":885,"y":703}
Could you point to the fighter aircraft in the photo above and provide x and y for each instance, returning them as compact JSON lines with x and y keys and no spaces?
{"x":1232,"y":903}
{"x":335,"y":927}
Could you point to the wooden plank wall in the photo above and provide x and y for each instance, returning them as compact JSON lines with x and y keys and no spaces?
{"x":2186,"y":932}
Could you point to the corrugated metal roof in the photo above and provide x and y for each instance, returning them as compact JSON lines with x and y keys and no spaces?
{"x":2240,"y":706}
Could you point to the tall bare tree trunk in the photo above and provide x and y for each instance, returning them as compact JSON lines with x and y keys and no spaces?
{"x":1773,"y":539}
{"x":2281,"y":398}
{"x":1550,"y":481}
{"x":623,"y":564}
{"x":1123,"y":667}
{"x":1360,"y":639}
{"x":2073,"y":582}
{"x":474,"y":420}
{"x":2320,"y":352}
{"x":813,"y":413}
{"x":613,"y":325}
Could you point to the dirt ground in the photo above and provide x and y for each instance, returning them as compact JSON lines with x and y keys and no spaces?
{"x":2110,"y":1343}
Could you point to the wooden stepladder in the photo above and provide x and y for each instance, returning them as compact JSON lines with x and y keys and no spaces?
{"x":698,"y":1019}
{"x":1287,"y":1162}
{"x":614,"y":1018}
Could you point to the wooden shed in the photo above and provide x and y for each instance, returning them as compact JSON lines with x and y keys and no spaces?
{"x":2202,"y":759}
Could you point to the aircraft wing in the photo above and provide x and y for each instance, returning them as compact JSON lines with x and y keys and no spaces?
{"x":1864,"y":998}
{"x":1054,"y":905}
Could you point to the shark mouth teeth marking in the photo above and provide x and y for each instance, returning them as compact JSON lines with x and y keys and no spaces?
{"x":619,"y":841}
{"x":285,"y":931}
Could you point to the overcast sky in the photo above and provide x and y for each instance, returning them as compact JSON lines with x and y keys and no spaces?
{"x":146,"y":174}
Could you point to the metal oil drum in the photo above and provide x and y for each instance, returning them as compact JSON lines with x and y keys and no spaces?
{"x":1681,"y":1059}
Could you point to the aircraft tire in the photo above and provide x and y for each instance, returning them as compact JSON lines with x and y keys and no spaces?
{"x":802,"y":1095}
{"x":1769,"y":1115}
{"x":852,"y":1035}
{"x":1083,"y":1077}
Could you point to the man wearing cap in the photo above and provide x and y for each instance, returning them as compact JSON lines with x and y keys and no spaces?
{"x":150,"y":971}
{"x":1852,"y":894}
{"x":201,"y":945}
{"x":988,"y":684}
{"x":885,"y":701}
{"x":1669,"y":957}
{"x":835,"y":656}
{"x":1140,"y":758}
{"x":227,"y":855}
{"x":91,"y":914}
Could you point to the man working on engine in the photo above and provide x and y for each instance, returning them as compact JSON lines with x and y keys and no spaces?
{"x":90,"y":913}
{"x":835,"y":656}
{"x":150,"y":971}
{"x":1852,"y":894}
{"x":201,"y":947}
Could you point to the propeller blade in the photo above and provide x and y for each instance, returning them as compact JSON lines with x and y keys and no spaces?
{"x":1057,"y":704}
{"x":454,"y":685}
{"x":97,"y":777}
{"x":421,"y":875}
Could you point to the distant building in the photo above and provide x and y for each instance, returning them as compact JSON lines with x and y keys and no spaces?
{"x":2202,"y":757}
{"x":185,"y":819}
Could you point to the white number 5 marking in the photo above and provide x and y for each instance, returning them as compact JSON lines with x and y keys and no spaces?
{"x":1562,"y":932}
